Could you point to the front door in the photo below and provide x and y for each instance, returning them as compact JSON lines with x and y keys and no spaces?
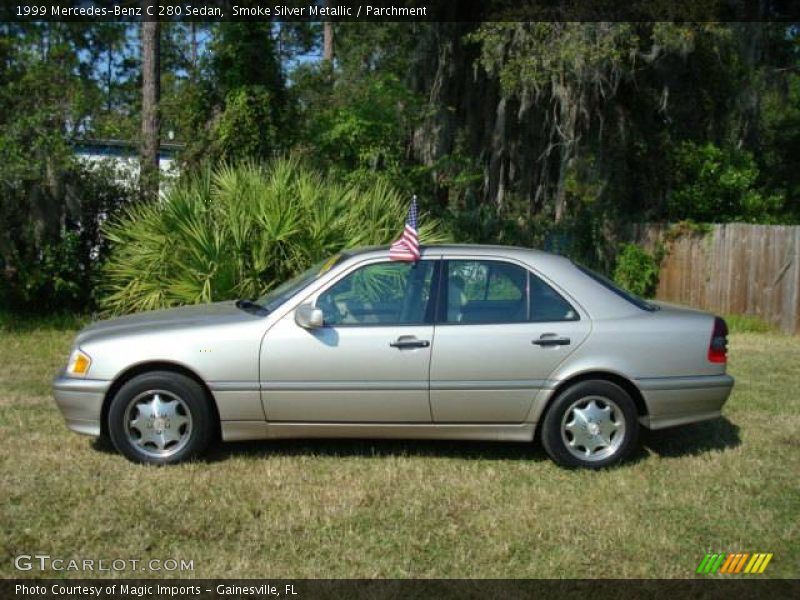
{"x":368,"y":363}
{"x":500,"y":332}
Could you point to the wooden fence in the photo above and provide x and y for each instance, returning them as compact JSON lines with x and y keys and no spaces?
{"x":735,"y":268}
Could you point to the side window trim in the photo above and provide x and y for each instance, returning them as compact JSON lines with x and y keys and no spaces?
{"x":434,"y":301}
{"x":440,"y":313}
{"x":528,"y":308}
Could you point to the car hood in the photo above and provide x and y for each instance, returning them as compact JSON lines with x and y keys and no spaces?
{"x":200,"y":315}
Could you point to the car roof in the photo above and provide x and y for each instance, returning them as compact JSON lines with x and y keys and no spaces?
{"x":456,"y":249}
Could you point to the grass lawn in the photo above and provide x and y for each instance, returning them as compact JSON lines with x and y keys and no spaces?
{"x":299,"y":509}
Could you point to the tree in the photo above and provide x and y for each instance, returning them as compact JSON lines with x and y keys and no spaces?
{"x":49,"y":202}
{"x":240,"y":108}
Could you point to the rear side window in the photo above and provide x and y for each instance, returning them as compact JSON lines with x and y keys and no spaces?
{"x":547,"y":304}
{"x":483,"y":291}
{"x":489,"y":291}
{"x":622,"y":293}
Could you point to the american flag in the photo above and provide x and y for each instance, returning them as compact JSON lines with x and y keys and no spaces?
{"x":407,"y":246}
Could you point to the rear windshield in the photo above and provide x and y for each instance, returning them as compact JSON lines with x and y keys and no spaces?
{"x":622,"y":293}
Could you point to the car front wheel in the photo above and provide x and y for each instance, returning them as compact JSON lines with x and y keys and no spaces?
{"x":160,"y":418}
{"x":592,"y":424}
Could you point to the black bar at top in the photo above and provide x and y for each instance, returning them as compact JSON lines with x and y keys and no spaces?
{"x":786,"y":11}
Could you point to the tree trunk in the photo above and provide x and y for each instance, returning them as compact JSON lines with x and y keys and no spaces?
{"x":568,"y":100}
{"x":496,"y":173}
{"x":327,"y":45}
{"x":151,"y":70}
{"x":193,"y":34}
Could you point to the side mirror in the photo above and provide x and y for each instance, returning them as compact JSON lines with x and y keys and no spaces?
{"x":309,"y":317}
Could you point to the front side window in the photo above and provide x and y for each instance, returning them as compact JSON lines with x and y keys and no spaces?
{"x":486,"y":291}
{"x":386,"y":293}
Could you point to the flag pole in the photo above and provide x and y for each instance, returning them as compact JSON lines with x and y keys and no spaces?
{"x":414,"y":202}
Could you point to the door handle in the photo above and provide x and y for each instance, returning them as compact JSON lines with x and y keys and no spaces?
{"x":551,"y":339}
{"x":409,"y":343}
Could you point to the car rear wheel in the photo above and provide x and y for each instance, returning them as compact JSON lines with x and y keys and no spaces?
{"x":592,"y":424}
{"x":160,"y":418}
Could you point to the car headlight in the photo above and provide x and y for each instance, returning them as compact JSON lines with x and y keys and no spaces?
{"x":79,"y":363}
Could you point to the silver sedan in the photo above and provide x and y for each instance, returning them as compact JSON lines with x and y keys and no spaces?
{"x":470,"y":342}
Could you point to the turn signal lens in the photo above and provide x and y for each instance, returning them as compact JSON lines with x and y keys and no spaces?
{"x":79,"y":363}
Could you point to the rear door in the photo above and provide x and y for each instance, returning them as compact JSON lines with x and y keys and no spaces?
{"x":500,"y":331}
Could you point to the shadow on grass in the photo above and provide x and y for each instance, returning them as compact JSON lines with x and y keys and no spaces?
{"x":691,"y":440}
{"x":687,"y":440}
{"x":103,"y":444}
{"x":366,"y":448}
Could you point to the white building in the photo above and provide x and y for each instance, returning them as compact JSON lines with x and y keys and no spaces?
{"x":124,"y":156}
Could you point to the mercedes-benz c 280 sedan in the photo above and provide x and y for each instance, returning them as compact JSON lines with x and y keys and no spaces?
{"x":470,"y":343}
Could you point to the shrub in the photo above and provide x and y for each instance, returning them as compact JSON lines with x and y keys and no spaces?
{"x":235,"y":232}
{"x":637,"y":271}
{"x":719,"y":185}
{"x":52,"y":279}
{"x":48,"y":257}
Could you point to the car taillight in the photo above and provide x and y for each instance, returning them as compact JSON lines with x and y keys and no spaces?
{"x":718,"y":348}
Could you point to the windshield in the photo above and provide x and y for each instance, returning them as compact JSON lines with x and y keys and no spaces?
{"x":623,"y":293}
{"x":277,"y":296}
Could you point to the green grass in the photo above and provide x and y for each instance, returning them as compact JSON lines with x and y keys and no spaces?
{"x":407,"y":509}
{"x":748,"y":324}
{"x":15,"y":322}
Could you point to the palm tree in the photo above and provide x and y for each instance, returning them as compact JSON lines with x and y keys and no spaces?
{"x":236,"y":232}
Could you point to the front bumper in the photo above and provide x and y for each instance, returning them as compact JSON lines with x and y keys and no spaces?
{"x":675,"y":401}
{"x":81,"y":402}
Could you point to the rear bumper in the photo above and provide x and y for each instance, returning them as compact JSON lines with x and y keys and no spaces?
{"x":80,"y":402}
{"x":675,"y":401}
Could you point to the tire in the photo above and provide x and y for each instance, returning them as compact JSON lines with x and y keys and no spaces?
{"x":160,"y":418}
{"x":592,"y":424}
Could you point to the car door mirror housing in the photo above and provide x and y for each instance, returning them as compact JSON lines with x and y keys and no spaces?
{"x":309,"y":317}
